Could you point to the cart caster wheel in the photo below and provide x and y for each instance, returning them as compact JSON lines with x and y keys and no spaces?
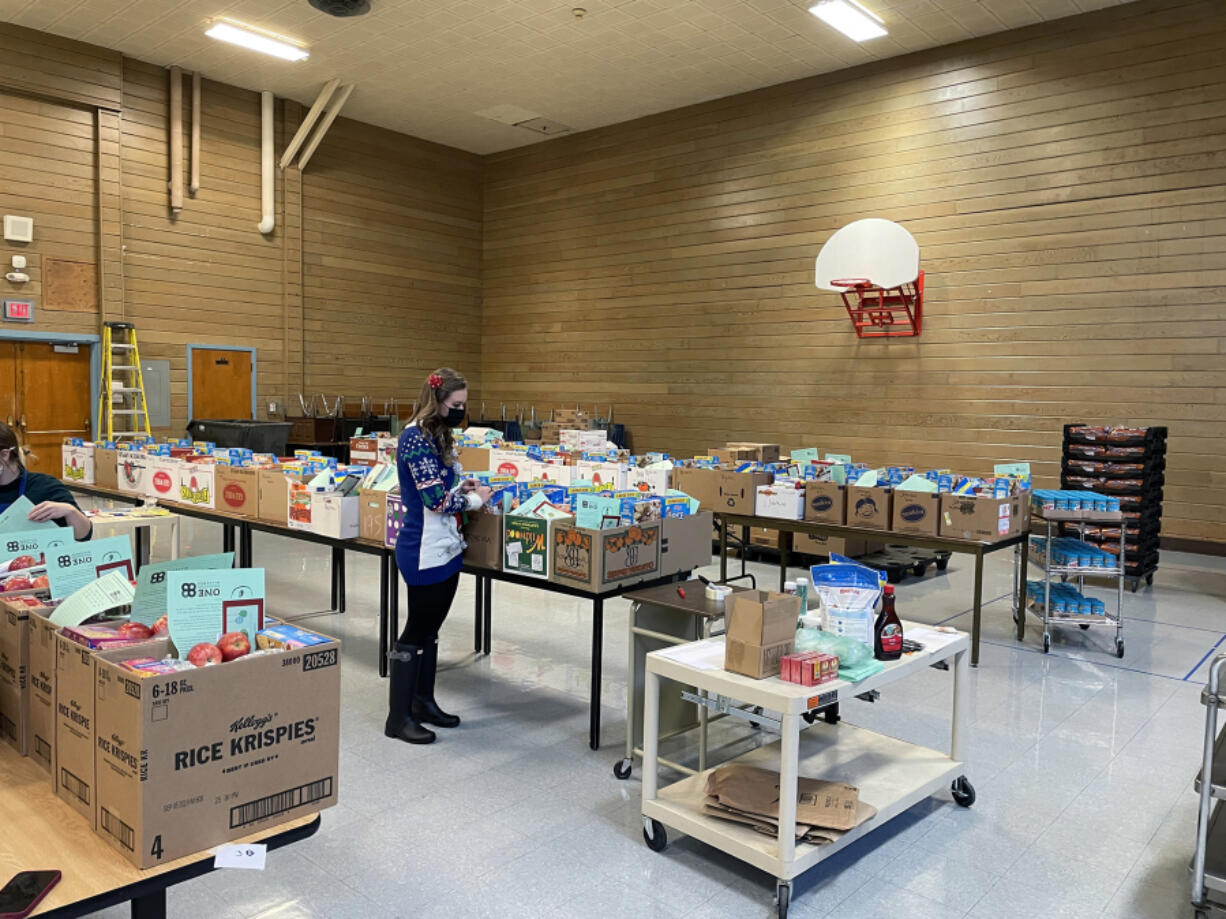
{"x":783,"y":896}
{"x":654,"y":835}
{"x":756,"y":725}
{"x":963,"y":792}
{"x":894,"y":576}
{"x":1015,"y":617}
{"x":810,"y":717}
{"x":1149,"y":580}
{"x":1046,"y":643}
{"x":1119,"y":648}
{"x":1084,"y":626}
{"x":622,"y":769}
{"x":832,"y":715}
{"x":942,"y":564}
{"x":920,"y":570}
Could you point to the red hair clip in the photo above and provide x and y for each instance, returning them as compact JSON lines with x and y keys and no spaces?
{"x":435,"y":381}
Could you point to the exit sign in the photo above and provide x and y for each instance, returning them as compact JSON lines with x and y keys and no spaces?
{"x":19,"y":310}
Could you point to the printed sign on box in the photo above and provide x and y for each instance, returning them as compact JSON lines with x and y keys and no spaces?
{"x":162,"y":477}
{"x":131,"y":469}
{"x":196,"y":485}
{"x":599,"y":559}
{"x":238,"y":490}
{"x":526,"y":545}
{"x":79,"y":464}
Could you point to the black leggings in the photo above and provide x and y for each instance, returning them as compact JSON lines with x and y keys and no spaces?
{"x":429,"y":605}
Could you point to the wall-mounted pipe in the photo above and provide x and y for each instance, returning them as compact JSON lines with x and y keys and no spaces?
{"x":194,"y":184}
{"x":312,"y":116}
{"x":267,"y":165}
{"x":334,"y":109}
{"x":176,"y":140}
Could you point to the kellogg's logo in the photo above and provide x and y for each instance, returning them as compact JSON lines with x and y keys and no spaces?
{"x":823,"y":503}
{"x":913,"y":513}
{"x":234,"y":495}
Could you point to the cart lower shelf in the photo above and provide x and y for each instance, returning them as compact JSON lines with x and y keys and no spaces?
{"x":892,"y":776}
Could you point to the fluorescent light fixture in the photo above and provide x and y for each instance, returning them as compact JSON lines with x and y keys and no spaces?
{"x":850,"y":18}
{"x":255,"y":40}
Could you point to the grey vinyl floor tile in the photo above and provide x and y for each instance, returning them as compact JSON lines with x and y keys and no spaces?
{"x":1082,"y":763}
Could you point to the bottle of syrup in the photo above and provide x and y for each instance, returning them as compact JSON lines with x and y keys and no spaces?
{"x":887,"y":631}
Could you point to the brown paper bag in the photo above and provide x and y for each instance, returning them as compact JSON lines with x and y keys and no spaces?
{"x":756,"y":791}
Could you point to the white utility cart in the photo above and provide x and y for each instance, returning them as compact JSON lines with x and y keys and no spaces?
{"x":892,"y":775}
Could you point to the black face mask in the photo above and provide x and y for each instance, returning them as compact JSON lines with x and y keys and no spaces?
{"x":454,"y":417}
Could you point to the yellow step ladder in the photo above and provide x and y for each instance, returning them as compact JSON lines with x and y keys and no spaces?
{"x":122,"y":393}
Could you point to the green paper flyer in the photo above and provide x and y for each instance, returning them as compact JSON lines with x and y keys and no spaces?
{"x":71,"y":568}
{"x":149,"y":605}
{"x":201,"y":606}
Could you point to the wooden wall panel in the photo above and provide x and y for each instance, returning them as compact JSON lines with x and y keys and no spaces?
{"x":391,"y":264}
{"x":207,"y":276}
{"x":48,"y":172}
{"x":1066,"y":183}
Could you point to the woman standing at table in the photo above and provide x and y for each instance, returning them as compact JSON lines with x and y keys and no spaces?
{"x":428,"y":551}
{"x":52,"y":500}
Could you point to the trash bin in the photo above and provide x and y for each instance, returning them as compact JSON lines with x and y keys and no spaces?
{"x":256,"y":436}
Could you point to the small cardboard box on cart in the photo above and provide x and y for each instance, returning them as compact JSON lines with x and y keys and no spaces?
{"x":194,"y":759}
{"x":78,"y":462}
{"x":761,"y":629}
{"x":603,"y":559}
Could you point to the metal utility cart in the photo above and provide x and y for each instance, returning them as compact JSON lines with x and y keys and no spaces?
{"x":1049,"y":523}
{"x":892,"y":775}
{"x":1209,"y":859}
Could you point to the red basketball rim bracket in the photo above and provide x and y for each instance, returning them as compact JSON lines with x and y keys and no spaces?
{"x":877,"y":312}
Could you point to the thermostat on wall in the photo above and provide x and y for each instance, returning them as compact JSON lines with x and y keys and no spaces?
{"x":18,"y":229}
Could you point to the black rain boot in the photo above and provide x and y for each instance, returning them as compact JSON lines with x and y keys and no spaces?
{"x":406,"y":668}
{"x":424,"y":708}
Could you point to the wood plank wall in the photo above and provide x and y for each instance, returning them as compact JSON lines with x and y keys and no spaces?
{"x":1066,"y":186}
{"x":392,"y":264}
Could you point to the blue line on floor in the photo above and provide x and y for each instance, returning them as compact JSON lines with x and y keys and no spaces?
{"x":1173,"y":625}
{"x":1205,"y":658}
{"x":1081,"y":660}
{"x":972,"y":609}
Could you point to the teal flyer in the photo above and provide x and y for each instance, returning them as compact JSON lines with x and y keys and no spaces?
{"x":149,"y":605}
{"x":72,"y":567}
{"x":35,"y":542}
{"x":201,"y":606}
{"x":16,"y":518}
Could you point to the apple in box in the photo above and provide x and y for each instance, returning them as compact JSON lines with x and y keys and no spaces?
{"x":205,"y":655}
{"x":234,"y":645}
{"x":135,"y":631}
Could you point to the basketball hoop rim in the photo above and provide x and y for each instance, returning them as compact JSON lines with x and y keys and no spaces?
{"x":851,"y":282}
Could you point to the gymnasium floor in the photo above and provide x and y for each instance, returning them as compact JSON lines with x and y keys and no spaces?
{"x":1083,"y":766}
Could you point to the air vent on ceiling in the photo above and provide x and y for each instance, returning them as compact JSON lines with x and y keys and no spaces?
{"x":342,"y":7}
{"x":518,"y":117}
{"x":543,"y":126}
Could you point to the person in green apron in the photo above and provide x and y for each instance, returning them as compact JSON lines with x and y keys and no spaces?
{"x":51,"y":498}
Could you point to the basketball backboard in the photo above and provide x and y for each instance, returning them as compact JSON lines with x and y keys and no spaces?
{"x":874,"y":250}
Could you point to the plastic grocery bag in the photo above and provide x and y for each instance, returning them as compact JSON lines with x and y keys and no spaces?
{"x":850,"y":652}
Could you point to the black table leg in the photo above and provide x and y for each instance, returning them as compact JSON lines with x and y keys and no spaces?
{"x":478,"y":593}
{"x":1019,"y":589}
{"x":338,"y":579}
{"x":785,"y":546}
{"x":723,"y":550}
{"x":597,"y":652}
{"x":150,"y":906}
{"x":384,"y":590}
{"x":978,"y":608}
{"x":245,"y":553}
{"x":488,"y":605}
{"x":227,"y":539}
{"x":142,"y":547}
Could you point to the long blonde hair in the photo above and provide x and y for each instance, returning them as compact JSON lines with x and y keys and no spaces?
{"x":430,"y":401}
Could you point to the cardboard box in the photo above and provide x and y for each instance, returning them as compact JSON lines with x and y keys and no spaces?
{"x":762,"y":453}
{"x":526,"y":544}
{"x":685,"y":543}
{"x":336,"y":515}
{"x":162,"y":477}
{"x":186,"y":761}
{"x":483,"y":534}
{"x":106,"y":469}
{"x":702,"y":484}
{"x":387,"y":450}
{"x":74,"y":728}
{"x":651,"y":481}
{"x":14,"y":667}
{"x":786,"y":502}
{"x":273,"y":487}
{"x":732,"y":456}
{"x":984,"y":519}
{"x":765,"y":537}
{"x":197,"y":484}
{"x":755,"y":661}
{"x":601,"y":559}
{"x":762,"y":617}
{"x":738,"y":491}
{"x":364,"y":450}
{"x":238,"y":490}
{"x":131,"y":471}
{"x":372,"y":515}
{"x":825,"y":545}
{"x":40,"y":745}
{"x":474,"y":459}
{"x":916,"y":513}
{"x":826,"y":502}
{"x":78,"y":464}
{"x":869,"y":507}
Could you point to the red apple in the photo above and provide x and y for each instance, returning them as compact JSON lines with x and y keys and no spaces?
{"x":161,"y":627}
{"x":32,"y":602}
{"x":234,"y":644}
{"x":204,"y":655}
{"x":135,"y":631}
{"x":42,"y":582}
{"x":17,"y":582}
{"x":21,"y":562}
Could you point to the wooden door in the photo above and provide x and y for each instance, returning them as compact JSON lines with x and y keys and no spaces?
{"x":8,"y":382}
{"x":221,"y":384}
{"x":54,"y":400}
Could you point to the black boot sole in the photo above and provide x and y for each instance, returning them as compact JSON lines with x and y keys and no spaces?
{"x":427,"y":737}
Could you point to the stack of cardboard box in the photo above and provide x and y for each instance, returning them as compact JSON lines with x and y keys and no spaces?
{"x":761,"y":630}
